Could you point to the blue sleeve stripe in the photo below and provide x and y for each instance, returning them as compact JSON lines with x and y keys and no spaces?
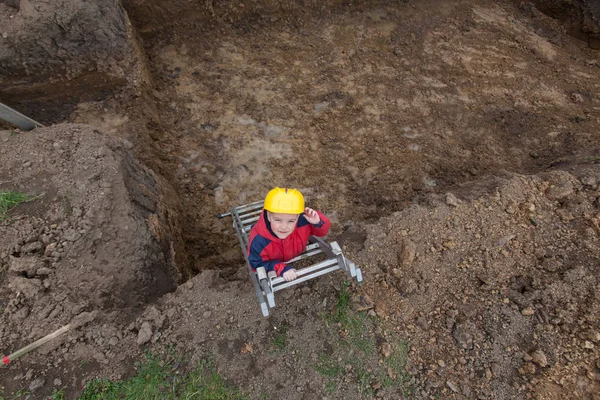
{"x":302,"y":221}
{"x":256,"y":247}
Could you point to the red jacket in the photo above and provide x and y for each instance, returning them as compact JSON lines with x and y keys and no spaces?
{"x":267,"y":250}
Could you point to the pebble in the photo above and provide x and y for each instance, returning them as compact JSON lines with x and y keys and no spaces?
{"x":145,"y":333}
{"x":539,"y":358}
{"x":527,"y":311}
{"x":451,"y":200}
{"x":577,"y":98}
{"x":408,"y":252}
{"x":527,"y":369}
{"x":588,"y":345}
{"x":36,"y":384}
{"x":452,"y":386}
{"x":386,"y":350}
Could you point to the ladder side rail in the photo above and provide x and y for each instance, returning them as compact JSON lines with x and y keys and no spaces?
{"x":253,"y":278}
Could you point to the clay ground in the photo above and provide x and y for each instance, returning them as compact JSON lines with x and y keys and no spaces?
{"x":375,"y":112}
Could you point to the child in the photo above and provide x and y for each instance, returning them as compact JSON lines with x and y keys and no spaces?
{"x":282,"y":231}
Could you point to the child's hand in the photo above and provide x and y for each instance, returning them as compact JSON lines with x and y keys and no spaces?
{"x":290,"y":275}
{"x":311,"y":216}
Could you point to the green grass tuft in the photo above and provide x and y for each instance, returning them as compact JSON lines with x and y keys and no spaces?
{"x":58,"y":395}
{"x":157,"y":380}
{"x":354,"y":352}
{"x":9,"y":200}
{"x":280,"y":339}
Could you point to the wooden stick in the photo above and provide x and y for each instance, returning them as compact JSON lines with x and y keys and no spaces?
{"x":34,"y":345}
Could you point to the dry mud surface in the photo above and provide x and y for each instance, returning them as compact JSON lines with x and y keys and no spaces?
{"x":453,"y":144}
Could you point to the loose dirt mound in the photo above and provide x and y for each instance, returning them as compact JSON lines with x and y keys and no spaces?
{"x":98,"y":235}
{"x":499,"y":295}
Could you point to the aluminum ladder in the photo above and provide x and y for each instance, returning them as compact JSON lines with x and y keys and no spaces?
{"x":266,"y":285}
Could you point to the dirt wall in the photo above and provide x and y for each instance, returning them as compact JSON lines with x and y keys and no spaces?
{"x":65,"y":51}
{"x":102,"y":232}
{"x":581,"y":17}
{"x":150,"y":16}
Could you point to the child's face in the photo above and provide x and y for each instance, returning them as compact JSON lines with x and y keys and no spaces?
{"x":282,"y":224}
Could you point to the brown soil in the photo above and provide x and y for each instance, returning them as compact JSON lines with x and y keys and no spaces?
{"x":453,"y":144}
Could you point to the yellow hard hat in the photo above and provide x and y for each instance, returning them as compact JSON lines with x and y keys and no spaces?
{"x":284,"y":201}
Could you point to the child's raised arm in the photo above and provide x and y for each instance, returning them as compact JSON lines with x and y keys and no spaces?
{"x":319,"y":223}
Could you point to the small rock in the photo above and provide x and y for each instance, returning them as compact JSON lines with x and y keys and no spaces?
{"x":386,"y":350}
{"x":44,"y":271}
{"x":27,"y":265}
{"x":32,"y":247}
{"x":588,"y":345}
{"x":564,"y":215}
{"x":495,"y":367}
{"x":29,"y":287}
{"x":577,"y":98}
{"x":71,"y":235}
{"x":57,"y":382}
{"x":362,"y":302}
{"x":145,"y":333}
{"x":37,"y":384}
{"x":527,"y":369}
{"x":21,"y":314}
{"x":527,"y":311}
{"x":539,"y":358}
{"x":565,"y":189}
{"x":452,"y":386}
{"x":451,"y":200}
{"x":113,"y":341}
{"x":594,"y":337}
{"x":155,"y":316}
{"x":408,"y":252}
{"x":220,"y":196}
{"x":551,"y":265}
{"x":449,"y":244}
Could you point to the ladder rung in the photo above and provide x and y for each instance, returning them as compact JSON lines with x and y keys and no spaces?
{"x":306,"y":278}
{"x":307,"y":270}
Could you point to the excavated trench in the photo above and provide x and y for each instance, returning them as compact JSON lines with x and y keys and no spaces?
{"x":365,"y":107}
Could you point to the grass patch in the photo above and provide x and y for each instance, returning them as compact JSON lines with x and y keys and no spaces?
{"x":280,"y":339}
{"x":58,"y":395}
{"x":354,"y":353}
{"x":158,"y":380}
{"x":19,"y":395}
{"x":353,"y":327}
{"x":9,"y":200}
{"x":328,"y":367}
